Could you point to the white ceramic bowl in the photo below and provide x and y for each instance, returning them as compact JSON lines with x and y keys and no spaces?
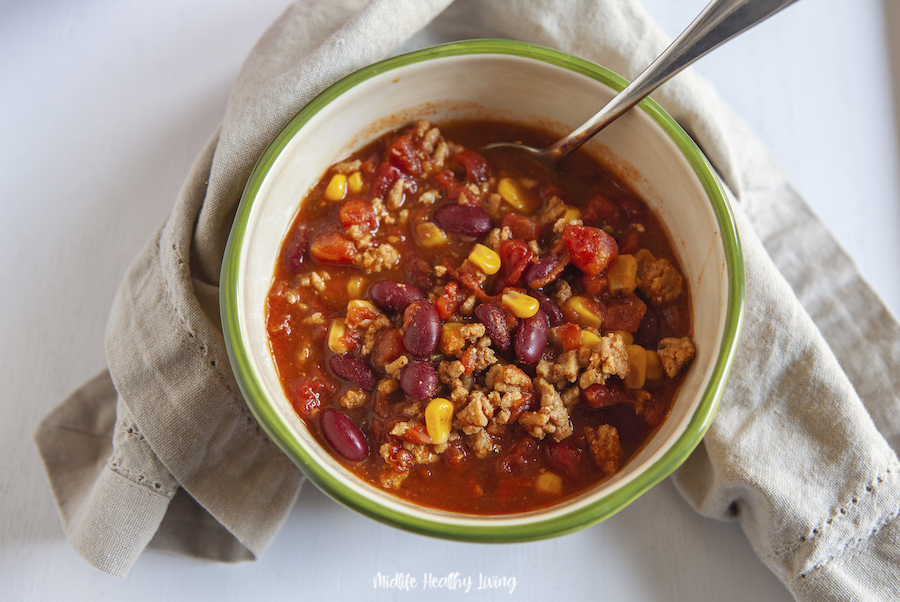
{"x":515,"y":82}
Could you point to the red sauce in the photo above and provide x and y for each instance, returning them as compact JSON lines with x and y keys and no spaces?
{"x":546,"y":404}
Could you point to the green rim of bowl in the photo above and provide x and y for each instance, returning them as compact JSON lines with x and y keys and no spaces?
{"x":540,"y":528}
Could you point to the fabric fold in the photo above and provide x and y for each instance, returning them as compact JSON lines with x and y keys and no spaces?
{"x":802,"y":451}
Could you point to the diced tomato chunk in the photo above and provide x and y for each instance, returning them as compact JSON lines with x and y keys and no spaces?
{"x":630,"y":244}
{"x":304,"y":394}
{"x":450,"y":300}
{"x":468,"y":360}
{"x":569,"y":336}
{"x":512,"y":487}
{"x":453,"y":188}
{"x":359,"y":315}
{"x":600,"y":211}
{"x":403,"y":155}
{"x":417,"y":433}
{"x":456,"y":455}
{"x":476,"y":166}
{"x":548,"y":191}
{"x":624,"y":313}
{"x":472,"y":280}
{"x":515,"y":257}
{"x":594,"y":285}
{"x":333,"y":247}
{"x":523,"y":227}
{"x":357,"y":212}
{"x":446,"y":179}
{"x":591,"y":248}
{"x":518,"y":457}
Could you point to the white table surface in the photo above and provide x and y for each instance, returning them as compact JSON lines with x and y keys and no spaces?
{"x":104,"y":107}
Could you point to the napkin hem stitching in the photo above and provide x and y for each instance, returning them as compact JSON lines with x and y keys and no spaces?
{"x":250,"y":424}
{"x":855,"y":544}
{"x":139,"y":478}
{"x":843,"y":511}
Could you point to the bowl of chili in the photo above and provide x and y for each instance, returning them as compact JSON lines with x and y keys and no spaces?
{"x":463,"y":343}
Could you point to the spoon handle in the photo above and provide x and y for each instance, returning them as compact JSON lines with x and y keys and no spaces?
{"x":720,"y":21}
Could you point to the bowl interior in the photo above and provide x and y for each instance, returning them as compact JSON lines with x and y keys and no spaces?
{"x":512,"y":82}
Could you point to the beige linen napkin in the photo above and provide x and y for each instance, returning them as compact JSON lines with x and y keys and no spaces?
{"x":802,"y":451}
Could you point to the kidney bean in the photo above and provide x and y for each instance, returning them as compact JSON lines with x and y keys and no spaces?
{"x":463,"y":219}
{"x":654,"y":411}
{"x":296,"y":249}
{"x":647,"y":333}
{"x":384,"y":178}
{"x":531,"y":338}
{"x":544,"y":271}
{"x":419,"y":272}
{"x":351,"y":368}
{"x":494,"y":321}
{"x":608,"y":394}
{"x":422,"y":328}
{"x":419,"y":379}
{"x":630,"y":426}
{"x":343,"y":436}
{"x":393,"y":296}
{"x":549,"y":307}
{"x":568,"y":459}
{"x":633,"y":208}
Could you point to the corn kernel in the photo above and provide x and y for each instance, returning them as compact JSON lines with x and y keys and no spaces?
{"x":438,"y":417}
{"x":627,"y":337}
{"x":337,"y":340}
{"x":356,"y":287}
{"x":485,"y":258}
{"x":637,"y":367}
{"x":355,"y":182}
{"x":430,"y":235}
{"x":578,"y":310}
{"x":622,"y":275}
{"x":524,"y":306}
{"x":590,"y":340}
{"x":510,"y":192}
{"x":363,"y":305}
{"x":654,"y":366}
{"x":337,"y":187}
{"x":549,"y":482}
{"x":571,"y":213}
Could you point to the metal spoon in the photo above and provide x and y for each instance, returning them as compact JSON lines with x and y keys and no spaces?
{"x":720,"y":21}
